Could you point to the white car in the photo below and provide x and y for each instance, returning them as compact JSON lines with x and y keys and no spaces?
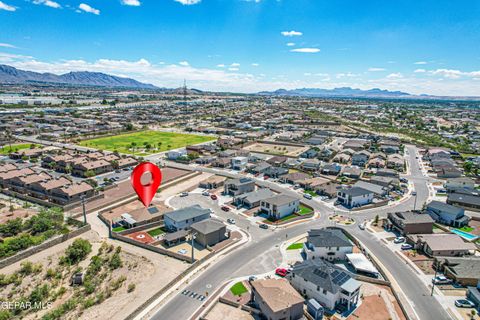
{"x":307,"y":196}
{"x":406,"y":246}
{"x":183,"y":194}
{"x":441,"y":280}
{"x":361,"y":226}
{"x":206,"y":193}
{"x":399,"y":240}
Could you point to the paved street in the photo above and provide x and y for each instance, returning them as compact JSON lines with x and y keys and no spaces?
{"x":262,"y":254}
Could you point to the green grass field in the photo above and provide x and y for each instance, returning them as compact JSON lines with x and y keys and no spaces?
{"x":238,"y":289}
{"x":466,"y":229}
{"x":118,"y":229}
{"x":156,"y":232}
{"x":15,"y":147}
{"x":304,"y":210}
{"x":295,"y":246}
{"x":159,"y":141}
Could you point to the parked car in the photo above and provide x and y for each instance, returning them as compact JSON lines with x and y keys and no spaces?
{"x":231,"y":221}
{"x":361,"y":226}
{"x":414,"y":193}
{"x":206,"y":193}
{"x":252,"y":278}
{"x":297,"y":186}
{"x":266,"y":177}
{"x":307,"y":196}
{"x":404,"y":180}
{"x":263,"y":226}
{"x":213,"y":197}
{"x":225,"y":208}
{"x":406,"y":246}
{"x":118,"y":171}
{"x":399,"y":240}
{"x":464,"y":303}
{"x":282,"y":272}
{"x":183,"y":194}
{"x":441,"y":280}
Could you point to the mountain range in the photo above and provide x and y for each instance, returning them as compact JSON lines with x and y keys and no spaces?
{"x":12,"y":75}
{"x":338,"y":92}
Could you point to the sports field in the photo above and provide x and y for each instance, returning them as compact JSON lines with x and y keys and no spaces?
{"x":145,"y":142}
{"x":15,"y":147}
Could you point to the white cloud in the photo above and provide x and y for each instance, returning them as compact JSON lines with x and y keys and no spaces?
{"x":172,"y":76}
{"x":233,"y":69}
{"x":188,"y":2}
{"x":290,"y":44}
{"x":448,"y":73}
{"x":420,"y":71}
{"x":8,"y":45}
{"x":396,"y":75}
{"x":184,"y":63}
{"x":235,"y":64}
{"x":221,"y":65}
{"x":48,"y":3}
{"x":420,"y":62}
{"x":85,"y":7}
{"x":134,"y":3}
{"x":306,"y":50}
{"x":291,"y":33}
{"x":346,"y":75}
{"x":376,"y":69}
{"x":4,"y":6}
{"x":255,"y":64}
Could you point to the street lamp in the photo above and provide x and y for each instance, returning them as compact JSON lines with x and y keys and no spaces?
{"x":193,"y":239}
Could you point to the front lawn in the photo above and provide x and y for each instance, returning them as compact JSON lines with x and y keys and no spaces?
{"x":156,"y":232}
{"x":118,"y":229}
{"x":466,"y":229}
{"x":145,"y":142}
{"x":238,"y":289}
{"x":303,"y":210}
{"x":295,"y":246}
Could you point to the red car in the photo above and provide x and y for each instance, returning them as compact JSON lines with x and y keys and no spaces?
{"x":281,"y":272}
{"x":266,"y":177}
{"x":213,"y":197}
{"x":225,"y":208}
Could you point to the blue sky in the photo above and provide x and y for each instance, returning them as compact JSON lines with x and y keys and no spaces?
{"x":428,"y":47}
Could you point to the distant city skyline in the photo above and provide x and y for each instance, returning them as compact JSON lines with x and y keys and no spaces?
{"x":427,"y":47}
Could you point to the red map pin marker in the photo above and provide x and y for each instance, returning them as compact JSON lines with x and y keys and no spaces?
{"x":146,"y":192}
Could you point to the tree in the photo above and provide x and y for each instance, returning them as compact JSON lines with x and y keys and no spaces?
{"x":77,"y":251}
{"x":11,"y":227}
{"x":375,"y":222}
{"x":129,"y":127}
{"x":89,"y":173}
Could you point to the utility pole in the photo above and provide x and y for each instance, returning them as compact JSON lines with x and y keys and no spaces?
{"x":433,"y":282}
{"x":193,"y":239}
{"x":82,"y":198}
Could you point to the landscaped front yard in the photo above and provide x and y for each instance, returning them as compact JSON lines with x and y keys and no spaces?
{"x":303,"y":210}
{"x":238,"y":289}
{"x":156,"y":232}
{"x":145,"y":142}
{"x":295,"y":246}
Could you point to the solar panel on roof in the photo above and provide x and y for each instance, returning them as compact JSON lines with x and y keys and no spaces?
{"x":153,"y":210}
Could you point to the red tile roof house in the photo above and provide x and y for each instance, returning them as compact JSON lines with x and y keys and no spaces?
{"x":98,"y":167}
{"x":21,"y":184}
{"x":71,"y":193}
{"x":5,"y":177}
{"x":43,"y":189}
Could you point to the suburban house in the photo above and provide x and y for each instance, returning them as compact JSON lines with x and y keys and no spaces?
{"x":309,"y":154}
{"x":311,"y":165}
{"x":183,"y":218}
{"x":353,"y":172}
{"x":460,"y":183}
{"x":253,"y":199}
{"x":96,"y":167}
{"x":294,"y":177}
{"x":355,"y":197}
{"x":71,"y":193}
{"x":462,"y":270}
{"x":212,"y":182}
{"x":275,"y":172}
{"x":260,"y":168}
{"x":279,"y":206}
{"x":313,"y":183}
{"x":377,"y":189}
{"x":410,"y":222}
{"x":395,"y":161}
{"x":239,"y":163}
{"x":468,"y":201}
{"x":447,"y":214}
{"x":330,"y":285}
{"x":209,"y":232}
{"x":235,"y":187}
{"x":277,"y":299}
{"x":328,"y":244}
{"x":329,"y":189}
{"x":360,"y":158}
{"x":473,"y":294}
{"x":332,"y":169}
{"x":441,"y":244}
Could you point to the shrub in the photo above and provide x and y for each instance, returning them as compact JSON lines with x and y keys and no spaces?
{"x":77,"y":251}
{"x":131,"y":287}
